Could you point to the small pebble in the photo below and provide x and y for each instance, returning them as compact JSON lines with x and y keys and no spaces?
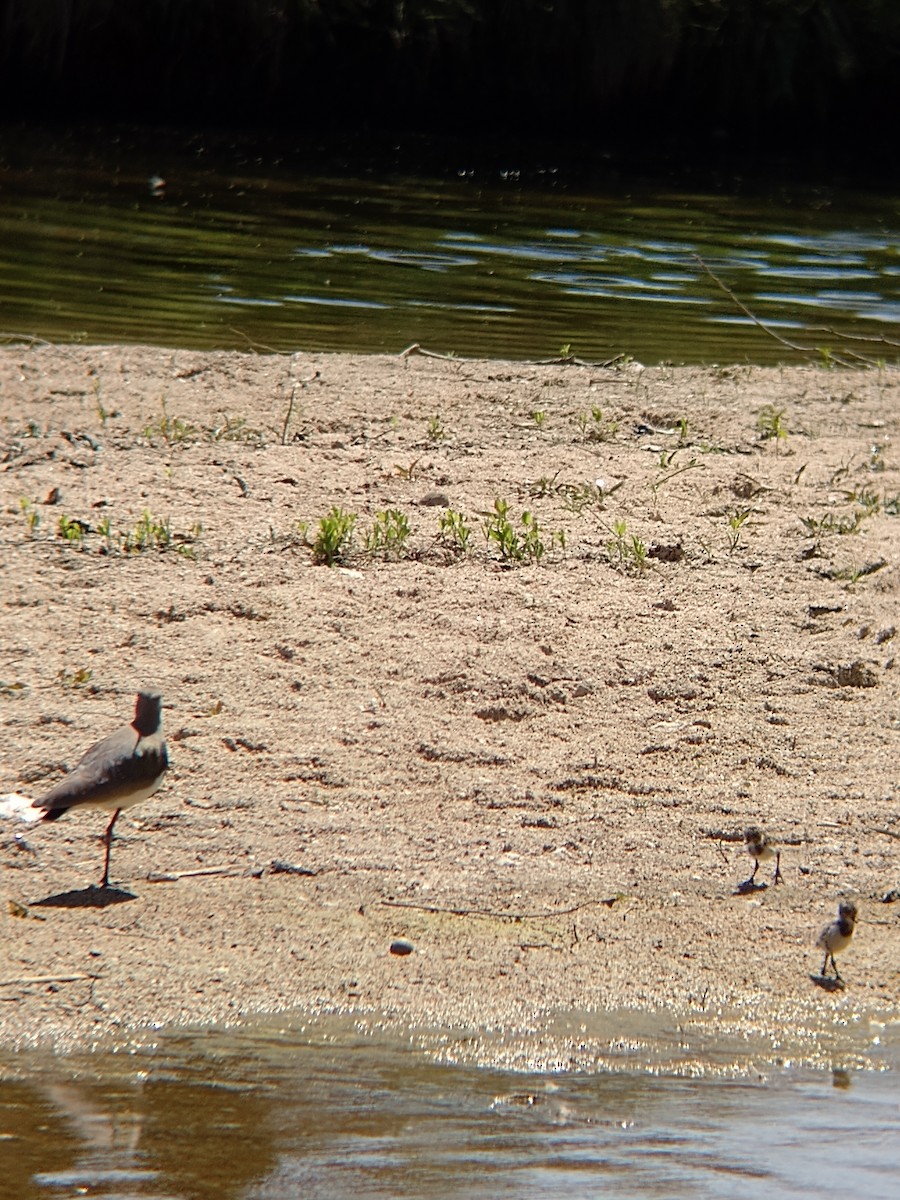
{"x":401,"y":946}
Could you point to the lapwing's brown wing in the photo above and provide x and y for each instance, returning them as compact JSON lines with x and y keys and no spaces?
{"x":116,"y":772}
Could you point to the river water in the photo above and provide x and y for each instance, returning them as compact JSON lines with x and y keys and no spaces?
{"x":193,"y":240}
{"x":275,"y":1112}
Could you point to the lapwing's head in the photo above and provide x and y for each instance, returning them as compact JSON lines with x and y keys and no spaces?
{"x":147,"y":712}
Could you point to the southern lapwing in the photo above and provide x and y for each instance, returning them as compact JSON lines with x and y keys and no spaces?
{"x":117,"y":772}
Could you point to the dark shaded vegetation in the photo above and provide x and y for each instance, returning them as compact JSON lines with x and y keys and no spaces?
{"x":607,"y":70}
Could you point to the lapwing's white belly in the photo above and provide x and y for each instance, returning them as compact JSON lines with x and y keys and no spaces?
{"x":122,"y":799}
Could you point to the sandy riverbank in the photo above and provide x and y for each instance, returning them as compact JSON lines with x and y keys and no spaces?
{"x":537,"y":774}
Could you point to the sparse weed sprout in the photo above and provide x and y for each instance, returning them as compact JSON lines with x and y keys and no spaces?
{"x":71,"y":530}
{"x":155,"y":533}
{"x":389,"y":534}
{"x":435,"y":431}
{"x":516,"y":547}
{"x":869,"y":500}
{"x":454,"y":531}
{"x":31,"y":515}
{"x":819,"y":527}
{"x":74,"y":679}
{"x":104,"y":529}
{"x":771,"y":425}
{"x":103,"y":413}
{"x":595,"y":427}
{"x":628,"y":550}
{"x":333,"y":537}
{"x":576,"y":497}
{"x":235,"y":429}
{"x":543,"y":486}
{"x":539,"y":417}
{"x":150,"y":533}
{"x":736,"y":520}
{"x":172,"y":430}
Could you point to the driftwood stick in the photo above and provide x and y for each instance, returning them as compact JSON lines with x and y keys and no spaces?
{"x":415,"y":348}
{"x":174,"y":876}
{"x":887,"y":832}
{"x":73,"y":977}
{"x":795,"y":346}
{"x":544,"y":914}
{"x":747,"y":313}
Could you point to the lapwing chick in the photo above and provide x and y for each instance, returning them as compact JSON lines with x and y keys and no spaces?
{"x":761,"y":848}
{"x":115,"y":773}
{"x":836,"y":937}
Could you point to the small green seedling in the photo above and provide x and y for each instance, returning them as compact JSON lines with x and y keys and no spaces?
{"x":74,"y":679}
{"x":408,"y":473}
{"x":819,"y":527}
{"x":454,"y":531}
{"x":870,"y":501}
{"x":334,"y":535}
{"x":627,"y":549}
{"x":595,"y":427}
{"x":670,"y":470}
{"x":31,"y":515}
{"x":104,"y":530}
{"x":435,"y":431}
{"x":736,"y":521}
{"x":771,"y":425}
{"x":71,"y":530}
{"x":103,"y":413}
{"x":389,"y":534}
{"x":154,"y":533}
{"x":236,"y":429}
{"x":172,"y":430}
{"x":525,"y":545}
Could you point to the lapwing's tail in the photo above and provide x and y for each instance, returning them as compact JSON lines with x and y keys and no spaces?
{"x":49,"y":814}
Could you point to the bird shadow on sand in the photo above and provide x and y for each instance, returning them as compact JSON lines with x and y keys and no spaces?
{"x":828,"y":983}
{"x":89,"y":897}
{"x":749,"y":888}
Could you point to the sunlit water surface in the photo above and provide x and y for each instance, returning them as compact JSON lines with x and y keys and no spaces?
{"x":191,"y":241}
{"x":283,"y":1114}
